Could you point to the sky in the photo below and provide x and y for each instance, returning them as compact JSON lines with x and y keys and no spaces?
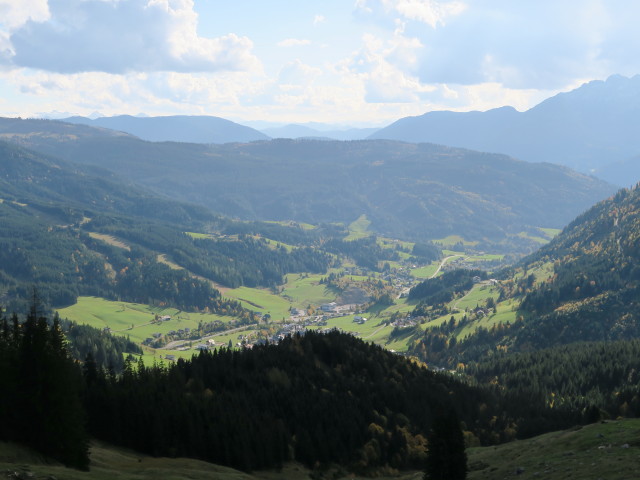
{"x":344,"y":62}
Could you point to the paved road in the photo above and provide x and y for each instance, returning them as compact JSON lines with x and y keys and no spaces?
{"x":181,"y":343}
{"x":444,"y":260}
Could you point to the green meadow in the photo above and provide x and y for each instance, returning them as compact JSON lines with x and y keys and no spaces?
{"x":303,"y":289}
{"x":261,"y":300}
{"x":359,"y":228}
{"x":132,"y":319}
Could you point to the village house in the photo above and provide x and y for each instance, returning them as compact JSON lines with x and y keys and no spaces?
{"x":329,"y":307}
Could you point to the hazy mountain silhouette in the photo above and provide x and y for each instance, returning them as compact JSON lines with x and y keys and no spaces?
{"x":586,"y":129}
{"x":303,"y":131}
{"x":176,"y":128}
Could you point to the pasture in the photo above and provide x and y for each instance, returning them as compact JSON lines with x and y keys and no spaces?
{"x":261,"y":300}
{"x":133,"y":320}
{"x":359,"y":228}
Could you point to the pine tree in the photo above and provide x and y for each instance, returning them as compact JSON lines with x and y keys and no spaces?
{"x":446,"y":458}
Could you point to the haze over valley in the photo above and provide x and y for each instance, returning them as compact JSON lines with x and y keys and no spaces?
{"x":362,"y":239}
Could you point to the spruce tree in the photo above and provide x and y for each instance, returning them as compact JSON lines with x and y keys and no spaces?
{"x":446,"y":458}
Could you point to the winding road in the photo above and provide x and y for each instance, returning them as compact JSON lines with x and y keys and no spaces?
{"x":444,"y":260}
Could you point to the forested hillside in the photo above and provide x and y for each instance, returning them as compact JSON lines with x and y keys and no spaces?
{"x":411,"y":191}
{"x":595,"y":286}
{"x":318,"y":399}
{"x":57,"y":233}
{"x":582,"y":286}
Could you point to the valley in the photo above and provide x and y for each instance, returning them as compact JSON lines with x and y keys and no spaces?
{"x":413,"y":292}
{"x":290,"y":240}
{"x":304,"y":301}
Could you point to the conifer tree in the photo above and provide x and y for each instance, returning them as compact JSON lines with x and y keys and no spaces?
{"x":446,"y":458}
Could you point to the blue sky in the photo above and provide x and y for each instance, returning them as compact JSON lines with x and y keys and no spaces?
{"x":350,"y":62}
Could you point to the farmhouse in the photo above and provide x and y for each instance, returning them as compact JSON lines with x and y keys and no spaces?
{"x":329,"y":307}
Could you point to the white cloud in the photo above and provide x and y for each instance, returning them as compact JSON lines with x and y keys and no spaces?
{"x":429,"y":12}
{"x":521,"y":45}
{"x":318,"y":19}
{"x":426,"y":11}
{"x":385,"y":69}
{"x":294,"y":42}
{"x":118,"y":36}
{"x":298,"y":73}
{"x":14,"y":13}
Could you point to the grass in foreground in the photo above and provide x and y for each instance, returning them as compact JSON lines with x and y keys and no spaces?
{"x":592,"y":452}
{"x":609,"y":450}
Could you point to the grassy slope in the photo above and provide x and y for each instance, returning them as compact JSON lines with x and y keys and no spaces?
{"x":592,"y":452}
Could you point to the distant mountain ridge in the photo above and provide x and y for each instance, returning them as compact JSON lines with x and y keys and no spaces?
{"x":406,"y":190}
{"x":585,"y":129}
{"x":304,"y":131}
{"x":176,"y":128}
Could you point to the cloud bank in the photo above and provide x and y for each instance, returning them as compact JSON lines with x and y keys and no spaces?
{"x":120,"y":36}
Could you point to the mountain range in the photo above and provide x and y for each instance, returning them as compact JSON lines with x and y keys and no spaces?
{"x":589,"y":129}
{"x":176,"y":128}
{"x":406,"y":190}
{"x":92,"y":211}
{"x":319,"y":132}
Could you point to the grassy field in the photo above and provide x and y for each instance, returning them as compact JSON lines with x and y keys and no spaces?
{"x":426,"y":271}
{"x":477,"y":296}
{"x":305,"y":289}
{"x":110,"y":240}
{"x":550,"y":232}
{"x":261,"y":300}
{"x":589,"y":453}
{"x":359,"y":228}
{"x":276,"y":244}
{"x":454,"y":239}
{"x":199,"y":235}
{"x":113,"y":463}
{"x":132,"y":319}
{"x":487,"y":257}
{"x":535,"y":238}
{"x":609,"y":450}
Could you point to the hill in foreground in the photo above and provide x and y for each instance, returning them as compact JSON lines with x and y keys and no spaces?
{"x":603,"y":450}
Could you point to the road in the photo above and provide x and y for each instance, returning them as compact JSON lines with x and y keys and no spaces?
{"x":444,"y":260}
{"x":181,"y":343}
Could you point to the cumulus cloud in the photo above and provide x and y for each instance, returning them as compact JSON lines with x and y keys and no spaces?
{"x":521,"y":45}
{"x":318,"y":19}
{"x":118,"y":36}
{"x":298,"y":73}
{"x":430,"y":12}
{"x":384,"y":68}
{"x":294,"y":42}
